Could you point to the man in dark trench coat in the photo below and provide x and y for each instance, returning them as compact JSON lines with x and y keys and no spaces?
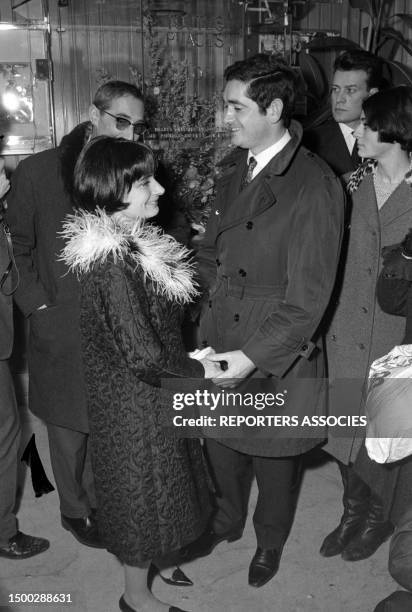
{"x":269,"y":260}
{"x":48,"y":295}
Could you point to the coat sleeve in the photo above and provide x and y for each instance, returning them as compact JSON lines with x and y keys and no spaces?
{"x":21,"y":218}
{"x":313,"y":256}
{"x":128,"y":316}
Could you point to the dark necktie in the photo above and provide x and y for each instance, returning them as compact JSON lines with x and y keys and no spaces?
{"x":249,"y":174}
{"x":355,"y":155}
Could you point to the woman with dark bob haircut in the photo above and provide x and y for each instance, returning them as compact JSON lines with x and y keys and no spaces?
{"x":150,"y":485}
{"x":380,"y":195}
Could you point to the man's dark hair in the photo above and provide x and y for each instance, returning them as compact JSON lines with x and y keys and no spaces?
{"x":106,"y":170}
{"x":111,"y":90}
{"x":362,"y":60}
{"x":268,"y":78}
{"x":390,"y":114}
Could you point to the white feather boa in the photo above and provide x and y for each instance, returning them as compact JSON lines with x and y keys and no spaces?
{"x":93,"y":237}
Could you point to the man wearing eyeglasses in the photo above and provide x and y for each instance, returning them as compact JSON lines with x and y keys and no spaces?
{"x":48,"y":295}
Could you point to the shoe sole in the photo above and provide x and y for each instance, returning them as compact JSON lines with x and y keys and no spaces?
{"x":79,"y":539}
{"x":24,"y":555}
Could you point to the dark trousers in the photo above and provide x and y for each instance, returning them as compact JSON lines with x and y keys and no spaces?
{"x":278,"y":483}
{"x":9,"y":447}
{"x":70,"y":460}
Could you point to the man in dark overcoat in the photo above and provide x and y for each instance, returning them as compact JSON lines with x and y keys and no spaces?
{"x":269,"y":259}
{"x":13,"y":543}
{"x":48,"y":295}
{"x":357,"y":74}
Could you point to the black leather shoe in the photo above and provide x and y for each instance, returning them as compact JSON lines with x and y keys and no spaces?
{"x":178,"y":578}
{"x":22,"y":546}
{"x":84,"y":530}
{"x":263,"y":566}
{"x":207,"y":542}
{"x":356,"y":497}
{"x":126,"y":608}
{"x":374,"y":532}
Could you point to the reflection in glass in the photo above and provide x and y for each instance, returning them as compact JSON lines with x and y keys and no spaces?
{"x":16,"y":93}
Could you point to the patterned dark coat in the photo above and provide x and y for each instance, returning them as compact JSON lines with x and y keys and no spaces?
{"x":269,"y":259}
{"x":150,"y":485}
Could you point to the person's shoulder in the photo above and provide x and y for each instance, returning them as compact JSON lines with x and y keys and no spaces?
{"x":40,"y":160}
{"x":323,"y":129}
{"x":314,"y":165}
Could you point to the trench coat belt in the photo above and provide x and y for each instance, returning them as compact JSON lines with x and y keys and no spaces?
{"x":237,"y":289}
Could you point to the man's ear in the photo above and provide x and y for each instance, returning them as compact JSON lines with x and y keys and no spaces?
{"x":94,"y":114}
{"x":274,"y":110}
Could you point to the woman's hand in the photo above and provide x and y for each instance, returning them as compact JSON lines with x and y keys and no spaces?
{"x":212,"y":369}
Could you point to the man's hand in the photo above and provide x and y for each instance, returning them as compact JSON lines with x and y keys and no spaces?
{"x":211,"y":369}
{"x":239,"y":366}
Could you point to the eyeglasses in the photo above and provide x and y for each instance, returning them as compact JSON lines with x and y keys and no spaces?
{"x":139,"y":128}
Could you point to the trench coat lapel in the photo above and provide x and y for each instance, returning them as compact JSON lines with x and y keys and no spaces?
{"x":249,"y":202}
{"x":259,"y":195}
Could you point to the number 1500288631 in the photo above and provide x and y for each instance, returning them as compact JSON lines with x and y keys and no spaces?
{"x":44,"y":598}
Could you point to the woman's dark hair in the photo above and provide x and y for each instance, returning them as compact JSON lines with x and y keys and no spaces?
{"x":106,"y":170}
{"x":269,"y":78}
{"x":389,"y":113}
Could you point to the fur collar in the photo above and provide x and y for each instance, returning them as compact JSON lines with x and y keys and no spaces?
{"x":93,"y":238}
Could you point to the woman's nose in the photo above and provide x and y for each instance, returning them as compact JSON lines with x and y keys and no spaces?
{"x":158,"y":188}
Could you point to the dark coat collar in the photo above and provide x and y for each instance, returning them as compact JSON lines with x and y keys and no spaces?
{"x":69,"y":151}
{"x":279,"y":164}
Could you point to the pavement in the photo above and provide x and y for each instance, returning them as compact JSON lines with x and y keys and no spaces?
{"x":93,"y":578}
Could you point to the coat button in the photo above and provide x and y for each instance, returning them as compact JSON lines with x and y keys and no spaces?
{"x":361,"y":346}
{"x":236,"y":318}
{"x":364,"y":309}
{"x":249,"y":225}
{"x":333,"y":337}
{"x":216,"y":212}
{"x":242,"y":272}
{"x":218,"y":262}
{"x":304,"y":347}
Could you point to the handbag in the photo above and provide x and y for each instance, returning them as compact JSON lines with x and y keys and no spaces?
{"x":389,"y":406}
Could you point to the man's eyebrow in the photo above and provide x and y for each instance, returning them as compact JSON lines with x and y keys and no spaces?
{"x":231,"y":101}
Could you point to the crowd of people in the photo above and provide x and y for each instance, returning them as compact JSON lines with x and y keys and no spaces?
{"x":286,"y":276}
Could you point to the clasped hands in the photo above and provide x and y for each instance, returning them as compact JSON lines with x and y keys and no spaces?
{"x":239,"y":366}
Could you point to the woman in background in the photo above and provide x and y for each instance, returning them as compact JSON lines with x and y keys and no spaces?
{"x":151,"y":485}
{"x":360,"y":332}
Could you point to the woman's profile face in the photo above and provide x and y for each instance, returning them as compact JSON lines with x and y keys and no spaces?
{"x":142,"y":199}
{"x":368,"y":141}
